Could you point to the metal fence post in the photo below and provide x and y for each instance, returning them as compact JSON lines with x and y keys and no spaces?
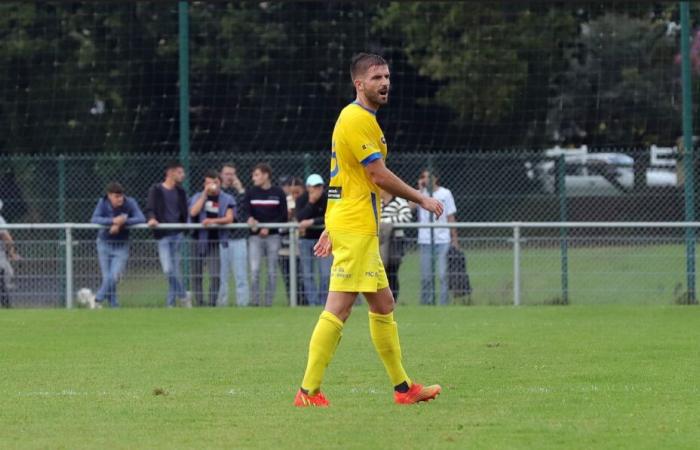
{"x":516,"y":265}
{"x":688,"y":151}
{"x":69,"y":266}
{"x":293,"y":240}
{"x":61,"y":188}
{"x":563,"y":232}
{"x":183,"y":23}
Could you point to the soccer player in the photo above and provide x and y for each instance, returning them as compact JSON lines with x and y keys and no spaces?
{"x":358,"y":174}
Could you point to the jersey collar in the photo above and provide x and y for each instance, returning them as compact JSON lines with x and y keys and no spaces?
{"x":371,"y":111}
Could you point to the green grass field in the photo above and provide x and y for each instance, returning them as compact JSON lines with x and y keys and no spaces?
{"x":618,"y":275}
{"x":531,"y":377}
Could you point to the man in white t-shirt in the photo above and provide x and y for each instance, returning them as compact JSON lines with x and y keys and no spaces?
{"x":437,"y":241}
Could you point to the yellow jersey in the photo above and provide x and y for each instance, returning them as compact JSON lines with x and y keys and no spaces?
{"x":353,"y":199}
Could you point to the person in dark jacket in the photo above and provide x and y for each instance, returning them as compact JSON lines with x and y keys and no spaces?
{"x":167,"y":203}
{"x":209,"y":207}
{"x":266,"y":204}
{"x":311,"y":212}
{"x":116,"y":212}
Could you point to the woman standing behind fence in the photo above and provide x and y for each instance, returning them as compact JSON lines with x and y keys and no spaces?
{"x":116,"y":211}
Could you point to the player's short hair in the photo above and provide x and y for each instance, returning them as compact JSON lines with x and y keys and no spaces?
{"x":361,"y":63}
{"x":114,"y":188}
{"x":212,"y":174}
{"x":174,"y":164}
{"x":264,"y":168}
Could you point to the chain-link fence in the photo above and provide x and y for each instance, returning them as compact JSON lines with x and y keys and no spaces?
{"x":579,"y":185}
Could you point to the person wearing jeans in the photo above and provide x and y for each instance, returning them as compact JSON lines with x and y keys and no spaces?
{"x":427,"y":285}
{"x":234,"y":256}
{"x":437,"y":240}
{"x":170,"y":258}
{"x":311,"y":216}
{"x":167,"y":203}
{"x":209,"y":207}
{"x":267,"y":204}
{"x":117,"y":212}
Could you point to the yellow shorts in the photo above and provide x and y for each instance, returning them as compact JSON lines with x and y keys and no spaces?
{"x":357,"y":266}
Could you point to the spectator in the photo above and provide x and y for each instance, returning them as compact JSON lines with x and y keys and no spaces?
{"x":234,"y":258}
{"x":437,"y":239}
{"x":267,"y":204}
{"x":117,"y":212}
{"x":209,"y":207}
{"x":294,"y":188}
{"x":394,"y":210}
{"x":8,"y":253}
{"x":167,"y":203}
{"x":311,"y":216}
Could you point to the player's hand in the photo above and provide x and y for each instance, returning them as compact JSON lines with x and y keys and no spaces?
{"x":323,"y":249}
{"x":207,"y":222}
{"x":114,"y":229}
{"x":432,"y":205}
{"x":304,"y":224}
{"x":264,"y":232}
{"x":152,"y":223}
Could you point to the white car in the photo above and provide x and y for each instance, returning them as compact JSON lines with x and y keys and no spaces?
{"x":598,"y":174}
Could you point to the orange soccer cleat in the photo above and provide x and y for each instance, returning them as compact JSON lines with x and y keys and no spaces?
{"x":303,"y":400}
{"x":417,"y":393}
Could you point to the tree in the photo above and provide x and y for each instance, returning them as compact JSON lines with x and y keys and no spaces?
{"x":620,"y":87}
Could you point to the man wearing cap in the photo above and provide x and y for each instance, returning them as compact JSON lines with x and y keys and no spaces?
{"x":311,"y":210}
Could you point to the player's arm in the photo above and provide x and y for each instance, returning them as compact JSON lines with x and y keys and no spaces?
{"x":388,"y":181}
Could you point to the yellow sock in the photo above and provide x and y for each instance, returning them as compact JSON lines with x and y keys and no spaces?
{"x":385,"y":336}
{"x":324,"y":341}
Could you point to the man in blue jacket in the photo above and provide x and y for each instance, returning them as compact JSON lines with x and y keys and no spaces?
{"x":117,"y":212}
{"x":210,"y":207}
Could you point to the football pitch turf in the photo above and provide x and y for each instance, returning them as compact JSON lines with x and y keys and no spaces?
{"x":529,"y":377}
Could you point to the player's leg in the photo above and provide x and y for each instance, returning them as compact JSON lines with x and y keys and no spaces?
{"x":325,"y":338}
{"x":385,"y":336}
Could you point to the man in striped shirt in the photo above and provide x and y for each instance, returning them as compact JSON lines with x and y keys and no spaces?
{"x":266,"y":204}
{"x":394,"y":210}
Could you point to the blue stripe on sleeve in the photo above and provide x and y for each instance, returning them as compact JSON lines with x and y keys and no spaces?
{"x":371,"y":158}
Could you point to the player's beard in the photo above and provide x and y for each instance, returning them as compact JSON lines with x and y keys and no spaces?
{"x":378,"y":98}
